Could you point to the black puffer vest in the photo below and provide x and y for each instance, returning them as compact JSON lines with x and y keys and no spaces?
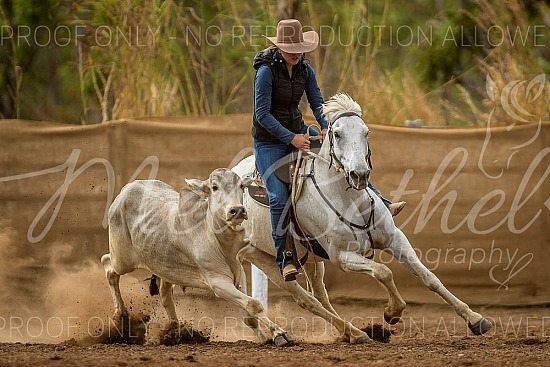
{"x":286,"y":93}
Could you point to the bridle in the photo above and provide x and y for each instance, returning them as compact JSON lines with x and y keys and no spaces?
{"x":334,"y":158}
{"x":369,"y":225}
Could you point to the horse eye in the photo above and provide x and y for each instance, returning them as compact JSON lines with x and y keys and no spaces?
{"x":214,"y":187}
{"x":336,"y":135}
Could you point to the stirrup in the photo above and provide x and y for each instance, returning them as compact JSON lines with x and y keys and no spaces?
{"x":290,"y":272}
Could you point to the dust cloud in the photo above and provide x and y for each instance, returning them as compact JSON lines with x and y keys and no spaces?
{"x":49,"y":295}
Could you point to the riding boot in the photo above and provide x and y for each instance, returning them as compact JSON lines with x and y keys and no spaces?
{"x":290,"y":258}
{"x":394,"y":208}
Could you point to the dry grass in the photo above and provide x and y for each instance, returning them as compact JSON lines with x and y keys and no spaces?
{"x":184,"y":71}
{"x":517,"y":90}
{"x":181,"y":64}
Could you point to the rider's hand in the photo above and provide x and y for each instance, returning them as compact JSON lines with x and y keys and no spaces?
{"x":300,"y":141}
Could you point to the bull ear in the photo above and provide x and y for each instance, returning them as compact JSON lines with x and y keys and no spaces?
{"x":245,"y":182}
{"x":198,"y":186}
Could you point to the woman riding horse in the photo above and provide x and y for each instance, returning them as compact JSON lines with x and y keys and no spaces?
{"x":282,"y":77}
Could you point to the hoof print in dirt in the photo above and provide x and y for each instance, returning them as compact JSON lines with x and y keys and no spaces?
{"x":378,"y":332}
{"x":175,"y":334}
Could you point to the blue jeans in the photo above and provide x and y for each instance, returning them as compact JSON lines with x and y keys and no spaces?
{"x":267,"y":155}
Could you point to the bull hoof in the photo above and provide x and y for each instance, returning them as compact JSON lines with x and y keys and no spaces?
{"x":361,"y":340}
{"x":481,"y":327}
{"x":119,"y":316}
{"x":283,"y":340}
{"x":392,"y":320}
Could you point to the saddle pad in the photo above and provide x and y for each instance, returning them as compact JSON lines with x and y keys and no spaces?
{"x":259,"y":194}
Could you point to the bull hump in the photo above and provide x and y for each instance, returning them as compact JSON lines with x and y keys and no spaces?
{"x":147,"y":192}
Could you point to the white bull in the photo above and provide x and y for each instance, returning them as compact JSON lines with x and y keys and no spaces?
{"x":185,"y":240}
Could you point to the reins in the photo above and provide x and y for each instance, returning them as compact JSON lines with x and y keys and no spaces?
{"x":365,"y":227}
{"x":338,"y":167}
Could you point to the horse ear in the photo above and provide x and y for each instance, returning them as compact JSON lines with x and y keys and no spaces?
{"x":198,"y":186}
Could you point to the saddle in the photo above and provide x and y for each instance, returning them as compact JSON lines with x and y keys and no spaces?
{"x":285,"y":171}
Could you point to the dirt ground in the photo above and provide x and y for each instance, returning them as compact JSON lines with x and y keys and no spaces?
{"x":428,"y":335}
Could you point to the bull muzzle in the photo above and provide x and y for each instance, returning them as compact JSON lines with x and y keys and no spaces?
{"x":236,"y":214}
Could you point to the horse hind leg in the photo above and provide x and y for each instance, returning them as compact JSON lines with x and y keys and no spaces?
{"x":114,"y":280}
{"x":316,"y":272}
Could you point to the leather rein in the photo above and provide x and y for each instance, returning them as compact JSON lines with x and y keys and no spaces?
{"x":369,"y":225}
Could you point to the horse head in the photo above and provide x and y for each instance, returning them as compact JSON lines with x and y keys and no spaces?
{"x":347,"y":139}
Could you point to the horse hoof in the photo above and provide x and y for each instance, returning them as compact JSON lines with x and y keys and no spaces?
{"x":481,"y":327}
{"x":392,"y":320}
{"x":283,"y":340}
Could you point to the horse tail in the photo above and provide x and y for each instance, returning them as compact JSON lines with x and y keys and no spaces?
{"x":153,"y":286}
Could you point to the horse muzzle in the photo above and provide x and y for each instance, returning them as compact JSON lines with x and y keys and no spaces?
{"x":358,"y":179}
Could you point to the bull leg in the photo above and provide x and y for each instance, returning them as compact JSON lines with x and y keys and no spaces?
{"x":402,"y":250}
{"x":354,"y":262}
{"x":316,"y":273}
{"x":113,"y":278}
{"x":224,"y":288}
{"x":166,"y":292}
{"x":304,"y":299}
{"x":248,"y":319}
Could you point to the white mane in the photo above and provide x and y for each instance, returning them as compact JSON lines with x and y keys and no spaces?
{"x":340,"y":102}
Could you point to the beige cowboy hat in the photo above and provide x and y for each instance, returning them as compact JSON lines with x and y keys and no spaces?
{"x":291,"y":39}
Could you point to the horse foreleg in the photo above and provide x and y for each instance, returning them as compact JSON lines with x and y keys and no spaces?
{"x":354,"y":262}
{"x":402,"y":250}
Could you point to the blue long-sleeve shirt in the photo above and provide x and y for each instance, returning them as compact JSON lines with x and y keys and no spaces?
{"x":263,"y":86}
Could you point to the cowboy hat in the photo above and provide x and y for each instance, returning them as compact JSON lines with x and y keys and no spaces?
{"x":291,"y":39}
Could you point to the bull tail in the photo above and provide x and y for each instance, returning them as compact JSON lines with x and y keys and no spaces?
{"x":153,"y":285}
